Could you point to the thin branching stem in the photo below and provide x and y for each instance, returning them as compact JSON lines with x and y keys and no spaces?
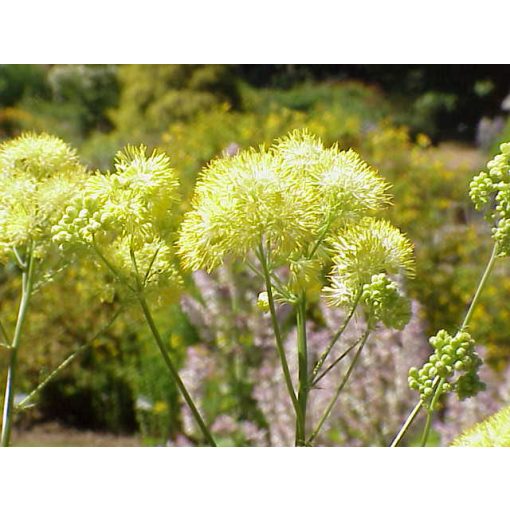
{"x":334,"y":340}
{"x":341,"y":386}
{"x":437,"y":393}
{"x":409,"y":421}
{"x":25,"y":403}
{"x":19,"y":260}
{"x":275,"y":281}
{"x":481,"y":285}
{"x":303,"y":387}
{"x":112,"y":268}
{"x":465,"y":324}
{"x":322,"y":235}
{"x":335,"y":363}
{"x":166,"y":357}
{"x":276,"y":329}
{"x":149,"y":269}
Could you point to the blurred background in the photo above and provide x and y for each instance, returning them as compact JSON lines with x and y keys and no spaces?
{"x":427,"y":128}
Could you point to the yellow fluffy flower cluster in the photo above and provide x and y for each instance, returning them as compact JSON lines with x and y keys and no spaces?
{"x":127,"y":219}
{"x":304,"y":206}
{"x":285,"y":197}
{"x":39,"y":176}
{"x":363,"y":250}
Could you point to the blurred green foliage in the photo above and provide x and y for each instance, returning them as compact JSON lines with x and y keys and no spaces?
{"x":152,"y":96}
{"x":20,"y":81}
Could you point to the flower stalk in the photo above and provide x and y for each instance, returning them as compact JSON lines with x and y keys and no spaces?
{"x":166,"y":357}
{"x":437,"y":388}
{"x":277,"y":333}
{"x":341,"y":386}
{"x":173,"y":371}
{"x":303,"y":388}
{"x":27,"y":401}
{"x":26,"y":293}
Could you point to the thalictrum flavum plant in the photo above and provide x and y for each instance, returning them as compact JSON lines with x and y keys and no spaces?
{"x":454,"y":363}
{"x":294,"y":212}
{"x":126,"y":221}
{"x":39,"y":175}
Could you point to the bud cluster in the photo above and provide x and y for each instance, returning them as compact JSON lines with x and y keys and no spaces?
{"x":453,"y":366}
{"x":493,"y":186}
{"x":127,"y":218}
{"x":385,"y":303}
{"x":77,"y":225}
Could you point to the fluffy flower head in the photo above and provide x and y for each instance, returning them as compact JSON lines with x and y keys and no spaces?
{"x":285,"y":197}
{"x":39,"y":176}
{"x":494,"y":431}
{"x":129,"y":212}
{"x":240,"y":201}
{"x":346,"y":187}
{"x":363,"y":250}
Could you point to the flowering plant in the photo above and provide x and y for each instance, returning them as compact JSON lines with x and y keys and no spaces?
{"x":293,"y":213}
{"x":303,"y":218}
{"x":39,"y":175}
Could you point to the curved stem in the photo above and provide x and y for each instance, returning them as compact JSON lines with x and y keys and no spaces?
{"x":322,"y":235}
{"x":173,"y":370}
{"x":26,"y":292}
{"x":21,"y":264}
{"x":302,"y":370}
{"x":112,"y":268}
{"x":410,"y":419}
{"x":340,"y":387}
{"x":276,"y":284}
{"x":277,"y":333}
{"x":149,"y":269}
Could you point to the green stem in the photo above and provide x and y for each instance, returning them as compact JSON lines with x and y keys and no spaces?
{"x":24,"y":403}
{"x":22,"y":265}
{"x":410,"y":419}
{"x":437,"y":394}
{"x":26,"y":292}
{"x":149,"y":269}
{"x":334,"y":340}
{"x":322,"y":236}
{"x":277,"y":333}
{"x":335,"y":363}
{"x":173,"y":370}
{"x":302,"y":371}
{"x":112,"y":268}
{"x":340,"y":387}
{"x":276,"y":284}
{"x":481,"y":285}
{"x":166,"y":358}
{"x":465,"y":325}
